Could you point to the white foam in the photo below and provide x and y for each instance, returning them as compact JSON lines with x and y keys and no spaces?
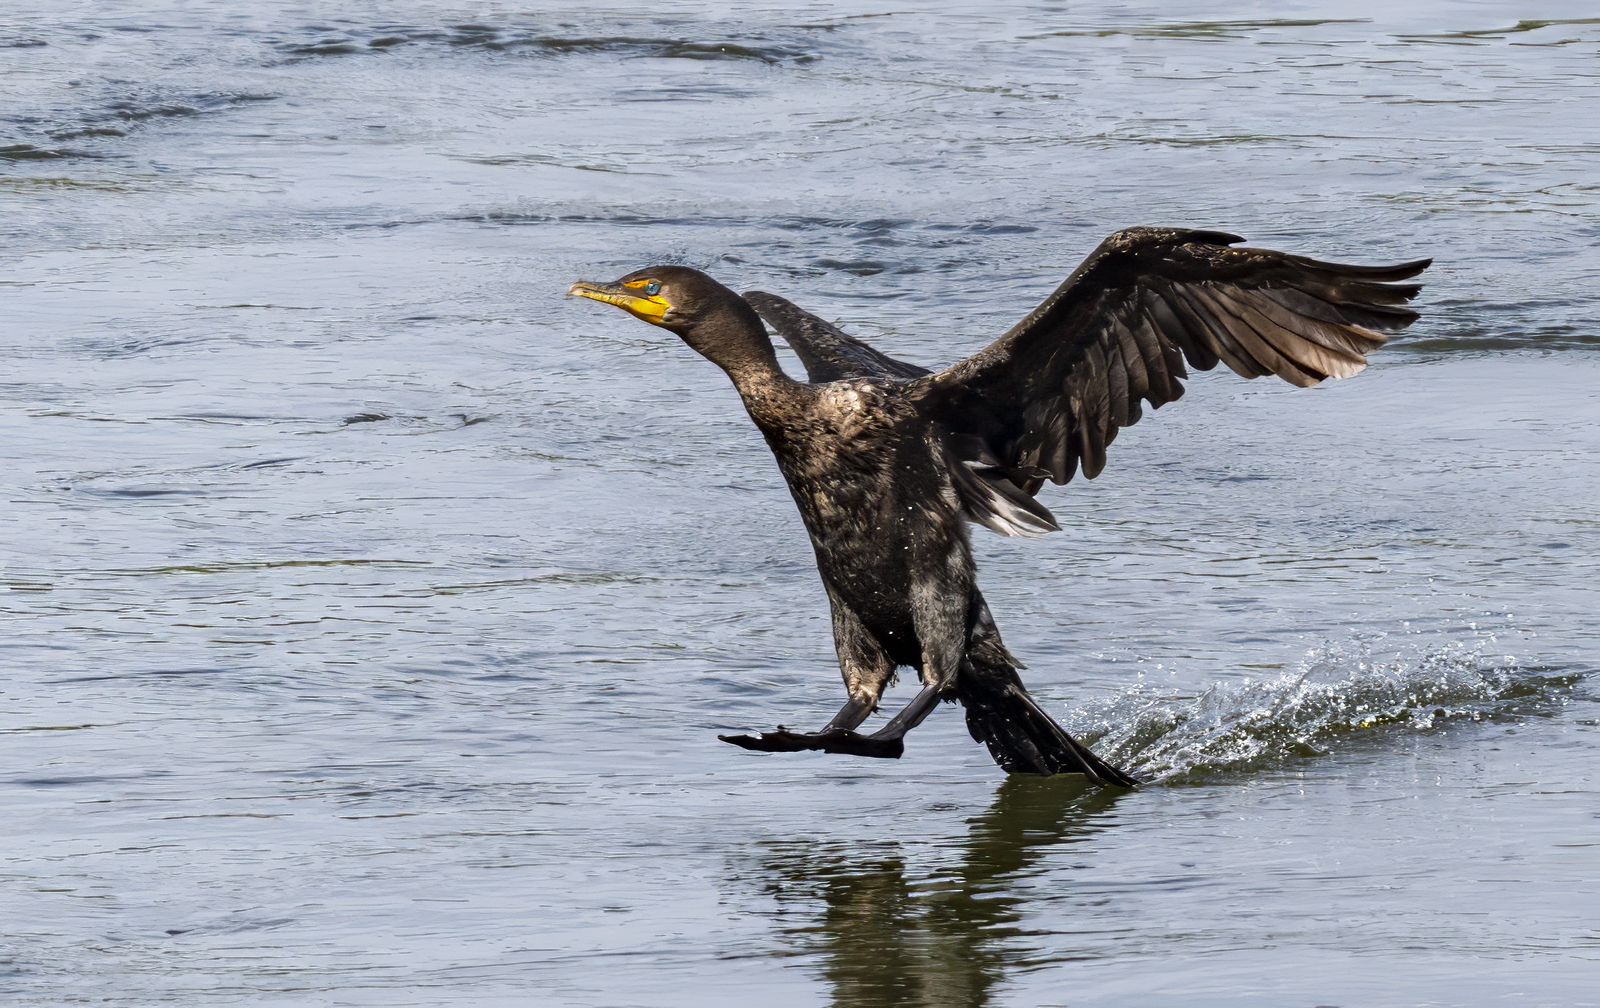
{"x":1337,"y":694}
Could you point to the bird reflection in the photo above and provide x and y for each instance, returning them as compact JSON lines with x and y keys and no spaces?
{"x":932,"y":936}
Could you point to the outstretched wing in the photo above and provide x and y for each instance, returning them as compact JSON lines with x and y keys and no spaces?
{"x":1049,"y":395}
{"x":828,"y":354}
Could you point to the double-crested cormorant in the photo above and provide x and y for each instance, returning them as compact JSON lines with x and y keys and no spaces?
{"x":887,"y":461}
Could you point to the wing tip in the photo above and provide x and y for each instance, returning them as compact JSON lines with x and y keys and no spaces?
{"x":1380,"y":274}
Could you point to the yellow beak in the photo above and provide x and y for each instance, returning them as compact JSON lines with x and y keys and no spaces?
{"x":650,"y":308}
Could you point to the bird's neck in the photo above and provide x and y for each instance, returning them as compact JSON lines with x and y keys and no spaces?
{"x":735,"y":340}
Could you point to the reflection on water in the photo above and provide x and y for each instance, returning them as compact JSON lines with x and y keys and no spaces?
{"x":891,"y":933}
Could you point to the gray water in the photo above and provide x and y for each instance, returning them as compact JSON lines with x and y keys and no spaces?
{"x":371,"y":611}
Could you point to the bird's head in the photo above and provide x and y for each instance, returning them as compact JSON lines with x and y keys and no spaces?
{"x":672,"y":297}
{"x":706,"y":315}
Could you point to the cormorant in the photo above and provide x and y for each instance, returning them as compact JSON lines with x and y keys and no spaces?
{"x":888,"y":461}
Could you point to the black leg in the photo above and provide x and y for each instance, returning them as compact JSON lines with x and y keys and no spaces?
{"x":850,"y":715}
{"x":911,"y":715}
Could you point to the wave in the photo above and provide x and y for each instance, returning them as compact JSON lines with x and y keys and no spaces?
{"x":329,"y":41}
{"x":1339,"y":694}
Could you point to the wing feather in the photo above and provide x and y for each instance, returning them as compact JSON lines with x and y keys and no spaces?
{"x":1049,"y":396}
{"x":1190,"y":343}
{"x":1215,"y":336}
{"x":1117,"y":377}
{"x":1312,"y":356}
{"x":1275,"y":358}
{"x":1138,"y":367}
{"x":1350,"y":339}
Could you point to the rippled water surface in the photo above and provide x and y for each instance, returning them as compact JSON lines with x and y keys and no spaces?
{"x":371,"y":611}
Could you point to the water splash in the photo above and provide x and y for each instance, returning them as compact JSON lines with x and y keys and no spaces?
{"x":1340,"y":691}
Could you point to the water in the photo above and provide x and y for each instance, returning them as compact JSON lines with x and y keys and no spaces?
{"x":371,"y":610}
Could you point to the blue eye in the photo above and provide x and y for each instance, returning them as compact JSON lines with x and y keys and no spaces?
{"x":652,"y":287}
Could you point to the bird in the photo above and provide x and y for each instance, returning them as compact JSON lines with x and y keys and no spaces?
{"x":889,"y":462}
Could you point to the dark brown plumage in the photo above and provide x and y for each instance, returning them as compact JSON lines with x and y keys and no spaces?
{"x":886,"y":460}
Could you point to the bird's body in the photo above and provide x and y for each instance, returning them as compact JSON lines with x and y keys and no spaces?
{"x":871,"y":499}
{"x":888,"y":462}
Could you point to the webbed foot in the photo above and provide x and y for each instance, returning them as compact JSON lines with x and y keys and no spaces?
{"x":831,"y":740}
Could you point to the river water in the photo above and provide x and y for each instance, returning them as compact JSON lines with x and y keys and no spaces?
{"x":371,"y":610}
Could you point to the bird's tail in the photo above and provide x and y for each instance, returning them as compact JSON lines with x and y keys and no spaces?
{"x":1021,"y":737}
